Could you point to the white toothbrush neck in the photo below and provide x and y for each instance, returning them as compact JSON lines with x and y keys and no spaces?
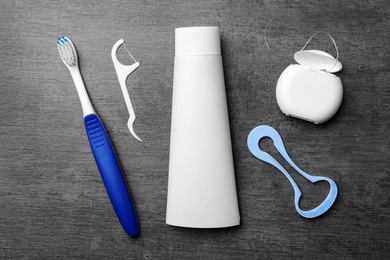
{"x":81,"y":91}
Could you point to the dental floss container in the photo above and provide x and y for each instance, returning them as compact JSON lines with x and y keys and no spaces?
{"x":308,"y":90}
{"x":201,"y":184}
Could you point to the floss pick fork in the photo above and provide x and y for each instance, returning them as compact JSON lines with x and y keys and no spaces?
{"x":123,"y":72}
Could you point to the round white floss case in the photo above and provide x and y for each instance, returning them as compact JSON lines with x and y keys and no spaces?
{"x":308,"y":90}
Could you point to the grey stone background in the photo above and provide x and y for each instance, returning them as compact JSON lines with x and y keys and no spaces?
{"x":52,"y":201}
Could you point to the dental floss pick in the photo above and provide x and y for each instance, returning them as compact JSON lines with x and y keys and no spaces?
{"x":123,"y":71}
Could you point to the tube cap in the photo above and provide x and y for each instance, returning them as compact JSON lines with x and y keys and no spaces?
{"x":197,"y":41}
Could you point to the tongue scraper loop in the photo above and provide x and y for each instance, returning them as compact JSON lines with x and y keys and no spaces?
{"x":123,"y":72}
{"x":253,"y":144}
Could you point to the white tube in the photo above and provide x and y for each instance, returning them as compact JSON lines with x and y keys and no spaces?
{"x":201,"y":187}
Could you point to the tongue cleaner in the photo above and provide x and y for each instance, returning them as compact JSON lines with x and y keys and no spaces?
{"x":253,"y":144}
{"x":123,"y":72}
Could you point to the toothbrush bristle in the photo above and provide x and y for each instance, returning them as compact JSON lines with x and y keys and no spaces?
{"x":67,"y":51}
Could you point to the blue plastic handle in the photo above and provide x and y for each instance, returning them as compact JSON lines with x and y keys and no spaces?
{"x":111,"y":174}
{"x":253,"y":144}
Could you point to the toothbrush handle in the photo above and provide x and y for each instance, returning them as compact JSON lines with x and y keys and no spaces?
{"x":111,"y":174}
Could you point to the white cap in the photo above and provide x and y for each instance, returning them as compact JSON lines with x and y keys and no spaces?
{"x":197,"y":41}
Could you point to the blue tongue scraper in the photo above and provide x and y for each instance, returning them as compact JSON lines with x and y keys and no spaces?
{"x":253,"y":144}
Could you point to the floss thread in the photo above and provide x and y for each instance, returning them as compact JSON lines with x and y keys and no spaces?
{"x":285,"y":56}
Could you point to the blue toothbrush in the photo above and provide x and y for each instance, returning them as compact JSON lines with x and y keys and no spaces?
{"x":101,"y":146}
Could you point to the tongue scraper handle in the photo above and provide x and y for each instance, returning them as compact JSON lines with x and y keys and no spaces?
{"x":253,"y":144}
{"x":123,"y":71}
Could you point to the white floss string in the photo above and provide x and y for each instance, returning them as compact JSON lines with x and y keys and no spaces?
{"x":281,"y":55}
{"x":129,"y":52}
{"x":266,"y":41}
{"x":335,"y":45}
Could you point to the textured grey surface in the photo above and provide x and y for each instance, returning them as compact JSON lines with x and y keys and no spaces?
{"x":52,"y":201}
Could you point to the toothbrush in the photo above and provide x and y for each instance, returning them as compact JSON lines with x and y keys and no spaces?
{"x":101,"y":146}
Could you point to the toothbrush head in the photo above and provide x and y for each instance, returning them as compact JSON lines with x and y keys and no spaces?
{"x":67,"y":52}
